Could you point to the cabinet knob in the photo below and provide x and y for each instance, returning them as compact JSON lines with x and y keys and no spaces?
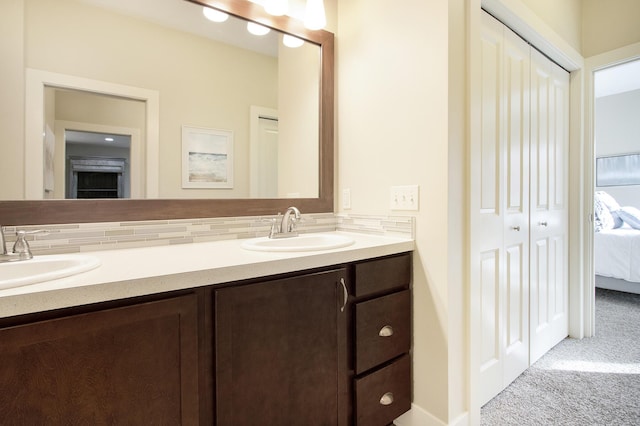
{"x":387,"y":399}
{"x":515,"y":228}
{"x":386,"y":331}
{"x":543,"y":223}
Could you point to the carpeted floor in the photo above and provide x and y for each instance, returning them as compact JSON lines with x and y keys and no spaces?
{"x":594,"y":381}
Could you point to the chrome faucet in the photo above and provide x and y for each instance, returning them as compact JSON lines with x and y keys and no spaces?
{"x":285,"y":227}
{"x":288,"y":224}
{"x":21,"y":249}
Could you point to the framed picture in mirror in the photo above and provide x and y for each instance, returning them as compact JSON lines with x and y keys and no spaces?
{"x":207,"y":158}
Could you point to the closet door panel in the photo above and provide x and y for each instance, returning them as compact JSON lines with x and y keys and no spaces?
{"x":549,"y":171}
{"x":491,"y":336}
{"x":516,"y":217}
{"x":500,"y":207}
{"x":487,"y":216}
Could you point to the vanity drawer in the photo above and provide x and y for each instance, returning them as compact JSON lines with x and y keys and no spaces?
{"x":384,"y":395}
{"x":382,"y":329}
{"x":382,"y":275}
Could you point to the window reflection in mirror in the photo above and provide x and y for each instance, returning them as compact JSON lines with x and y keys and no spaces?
{"x":201,"y":82}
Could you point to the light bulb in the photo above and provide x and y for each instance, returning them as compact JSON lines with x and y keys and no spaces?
{"x":214,"y":15}
{"x":291,"y":41}
{"x":257,"y":29}
{"x":276,"y":7}
{"x":314,"y":16}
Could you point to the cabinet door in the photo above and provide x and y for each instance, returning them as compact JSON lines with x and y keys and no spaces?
{"x":130,"y":365}
{"x":277,"y":351}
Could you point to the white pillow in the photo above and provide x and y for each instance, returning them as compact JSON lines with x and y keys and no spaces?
{"x":612,"y":205}
{"x":631,"y":216}
{"x":602,"y":216}
{"x":608,"y":201}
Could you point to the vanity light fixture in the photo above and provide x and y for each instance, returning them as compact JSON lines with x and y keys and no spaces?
{"x":291,"y":41}
{"x":276,"y":7}
{"x":214,"y":15}
{"x":257,"y":29}
{"x":314,"y":16}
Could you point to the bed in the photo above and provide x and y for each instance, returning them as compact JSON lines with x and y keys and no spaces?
{"x":616,"y":244}
{"x":617,"y":259}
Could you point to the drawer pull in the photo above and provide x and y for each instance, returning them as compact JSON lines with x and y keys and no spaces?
{"x":386,"y":331}
{"x":387,"y":399}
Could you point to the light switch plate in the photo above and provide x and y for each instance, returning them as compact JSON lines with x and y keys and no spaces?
{"x":346,"y":199}
{"x":405,"y":197}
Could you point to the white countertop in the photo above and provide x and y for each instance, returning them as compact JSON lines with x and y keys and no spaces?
{"x":140,"y":271}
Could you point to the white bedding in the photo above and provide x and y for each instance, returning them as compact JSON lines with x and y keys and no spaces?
{"x":617,"y":253}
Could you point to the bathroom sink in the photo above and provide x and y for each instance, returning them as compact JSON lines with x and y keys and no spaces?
{"x":303,"y":242}
{"x":44,"y":268}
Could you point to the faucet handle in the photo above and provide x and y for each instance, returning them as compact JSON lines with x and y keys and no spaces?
{"x":21,"y":246}
{"x":275,"y":224}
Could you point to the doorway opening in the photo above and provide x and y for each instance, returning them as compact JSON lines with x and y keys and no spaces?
{"x":617,"y":176}
{"x":98,"y":165}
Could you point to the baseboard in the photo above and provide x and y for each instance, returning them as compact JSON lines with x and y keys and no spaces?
{"x":417,"y":416}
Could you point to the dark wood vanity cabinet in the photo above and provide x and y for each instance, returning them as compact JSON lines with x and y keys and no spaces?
{"x":278,"y":346}
{"x":322,"y":347}
{"x":134,"y":364}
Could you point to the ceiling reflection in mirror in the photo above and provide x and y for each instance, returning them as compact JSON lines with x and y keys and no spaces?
{"x":206,"y":75}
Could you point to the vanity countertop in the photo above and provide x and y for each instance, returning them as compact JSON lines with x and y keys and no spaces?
{"x":135,"y":272}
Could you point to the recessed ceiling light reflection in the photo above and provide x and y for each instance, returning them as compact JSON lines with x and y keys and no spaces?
{"x":291,"y":41}
{"x":214,"y":15}
{"x":257,"y":29}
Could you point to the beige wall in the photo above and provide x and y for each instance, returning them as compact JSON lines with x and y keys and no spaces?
{"x":11,"y":100}
{"x":608,"y":25}
{"x":392,"y":76}
{"x":299,"y":120}
{"x":564,"y":17}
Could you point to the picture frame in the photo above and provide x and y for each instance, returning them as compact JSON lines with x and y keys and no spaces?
{"x":618,"y":170}
{"x":207,"y":158}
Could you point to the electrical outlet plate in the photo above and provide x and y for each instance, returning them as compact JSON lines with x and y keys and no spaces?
{"x":405,"y":197}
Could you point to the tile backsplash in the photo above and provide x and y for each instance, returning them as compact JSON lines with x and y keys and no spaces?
{"x":82,"y":237}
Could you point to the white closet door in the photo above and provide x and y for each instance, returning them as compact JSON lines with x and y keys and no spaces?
{"x":549,"y":225}
{"x":499,"y":200}
{"x":516,"y":225}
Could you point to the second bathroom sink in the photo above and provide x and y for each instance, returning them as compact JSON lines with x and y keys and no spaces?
{"x":303,"y":242}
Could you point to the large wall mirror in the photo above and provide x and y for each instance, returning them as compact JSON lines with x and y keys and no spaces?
{"x":146,"y":109}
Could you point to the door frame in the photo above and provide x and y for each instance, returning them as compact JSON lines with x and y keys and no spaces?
{"x":35,"y":83}
{"x":593,"y":64}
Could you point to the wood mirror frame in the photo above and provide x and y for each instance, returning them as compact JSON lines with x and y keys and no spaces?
{"x":40,"y":212}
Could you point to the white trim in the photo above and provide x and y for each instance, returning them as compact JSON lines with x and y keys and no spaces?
{"x":35,"y":82}
{"x":517,"y":16}
{"x":593,"y":64}
{"x":417,"y":416}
